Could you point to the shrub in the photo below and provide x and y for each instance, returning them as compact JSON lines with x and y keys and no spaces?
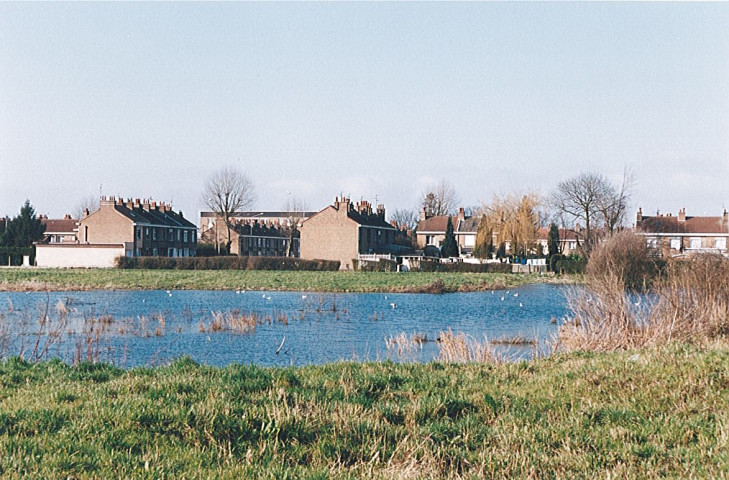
{"x":462,"y":267}
{"x":571,"y":264}
{"x":382,"y":266}
{"x":226,"y":263}
{"x":625,"y":259}
{"x":689,"y":303}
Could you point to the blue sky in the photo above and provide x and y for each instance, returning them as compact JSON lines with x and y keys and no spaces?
{"x":366,"y":99}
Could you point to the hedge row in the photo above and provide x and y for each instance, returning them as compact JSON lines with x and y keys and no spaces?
{"x":564,"y":264}
{"x":382,"y":266}
{"x":226,"y":263}
{"x":429,"y":266}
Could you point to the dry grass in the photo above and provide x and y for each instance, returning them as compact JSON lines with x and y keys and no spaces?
{"x":403,"y":345}
{"x":689,"y":303}
{"x":234,"y":321}
{"x":462,"y":348}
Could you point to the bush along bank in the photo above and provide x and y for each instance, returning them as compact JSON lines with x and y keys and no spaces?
{"x":226,"y":263}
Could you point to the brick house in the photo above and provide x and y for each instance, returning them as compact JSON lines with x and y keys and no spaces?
{"x":343,"y":231}
{"x":431,"y":231}
{"x":213,"y":230}
{"x":680,"y":235}
{"x":64,"y":230}
{"x":145,"y":228}
{"x":261,"y":239}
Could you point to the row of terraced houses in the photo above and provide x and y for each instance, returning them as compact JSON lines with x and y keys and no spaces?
{"x":343,"y":231}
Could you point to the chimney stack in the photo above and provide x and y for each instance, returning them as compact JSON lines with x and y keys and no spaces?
{"x":682,"y":215}
{"x":423,"y":214}
{"x":461,"y":213}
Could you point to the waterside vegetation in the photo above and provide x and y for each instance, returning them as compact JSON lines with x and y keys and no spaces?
{"x":657,"y":413}
{"x":16,"y":279}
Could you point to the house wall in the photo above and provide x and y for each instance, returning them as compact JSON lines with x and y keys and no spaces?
{"x":106,"y":226}
{"x":77,"y":256}
{"x":437,"y":240}
{"x":330,"y":235}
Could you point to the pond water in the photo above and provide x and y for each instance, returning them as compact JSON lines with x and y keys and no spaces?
{"x":130,"y":328}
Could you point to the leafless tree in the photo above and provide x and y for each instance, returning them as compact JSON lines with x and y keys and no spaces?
{"x":295,"y":208}
{"x":405,"y":217}
{"x":613,"y":206}
{"x":440,"y":199}
{"x":89,"y":202}
{"x":227,"y":191}
{"x":592,"y":199}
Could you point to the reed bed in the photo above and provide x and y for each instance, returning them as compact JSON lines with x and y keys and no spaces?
{"x":462,"y":348}
{"x":688,"y":302}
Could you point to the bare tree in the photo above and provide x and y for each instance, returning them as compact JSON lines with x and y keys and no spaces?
{"x":295,"y":208}
{"x":613,"y":206}
{"x":228,"y":191}
{"x":89,"y":202}
{"x":440,"y":199}
{"x":592,"y":199}
{"x":405,"y":217}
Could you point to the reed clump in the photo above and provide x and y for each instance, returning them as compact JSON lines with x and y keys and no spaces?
{"x":404,"y":345}
{"x":233,"y":321}
{"x":462,"y":348}
{"x":687,"y":302}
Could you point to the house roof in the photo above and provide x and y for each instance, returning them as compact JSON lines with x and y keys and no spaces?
{"x":671,"y":224}
{"x":564,"y":234}
{"x":148,"y":214}
{"x":438,"y":224}
{"x":468,"y":225}
{"x":62,"y":225}
{"x":369,"y":220}
{"x":259,"y":214}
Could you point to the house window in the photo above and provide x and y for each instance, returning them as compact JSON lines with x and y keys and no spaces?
{"x":652,"y":242}
{"x":695,"y":242}
{"x":170,"y":235}
{"x":469,"y":240}
{"x":184,"y":236}
{"x":146,"y":232}
{"x":675,"y":243}
{"x":154,"y":250}
{"x":720,"y":243}
{"x":179,"y":235}
{"x":154,"y":235}
{"x":139,"y":234}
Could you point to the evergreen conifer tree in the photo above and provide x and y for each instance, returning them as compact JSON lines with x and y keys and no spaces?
{"x":24,"y":229}
{"x":553,"y":240}
{"x":450,"y":247}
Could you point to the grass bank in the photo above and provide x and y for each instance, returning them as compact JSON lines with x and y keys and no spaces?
{"x":19,"y":279}
{"x":656,"y":413}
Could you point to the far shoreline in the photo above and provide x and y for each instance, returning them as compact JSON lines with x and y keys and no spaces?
{"x":31,"y":279}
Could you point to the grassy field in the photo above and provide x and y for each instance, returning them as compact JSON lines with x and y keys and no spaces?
{"x":18,"y":279}
{"x":658,"y":413}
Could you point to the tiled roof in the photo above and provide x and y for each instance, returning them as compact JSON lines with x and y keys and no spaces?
{"x":153,"y":216}
{"x":564,"y":234}
{"x":671,"y":224}
{"x":438,"y":223}
{"x":369,"y":220}
{"x":63,"y":225}
{"x":258,"y":214}
{"x":468,"y":225}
